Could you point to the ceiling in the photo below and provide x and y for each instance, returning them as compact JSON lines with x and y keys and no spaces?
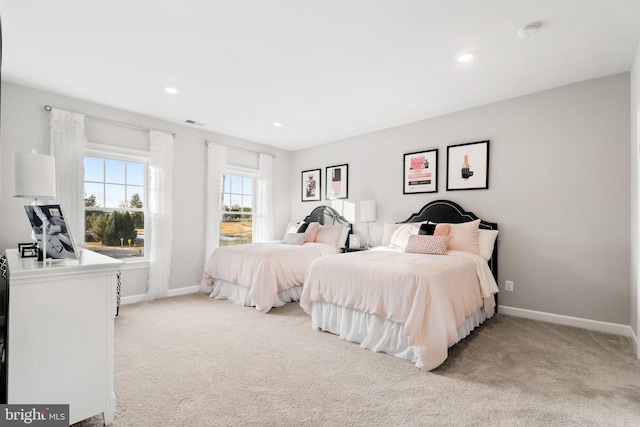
{"x":326,"y":70}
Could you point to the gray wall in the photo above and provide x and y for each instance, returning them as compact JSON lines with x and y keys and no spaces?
{"x":634,"y":151}
{"x":558,"y":188}
{"x":25,"y":125}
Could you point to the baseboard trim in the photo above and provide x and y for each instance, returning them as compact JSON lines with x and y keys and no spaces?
{"x":183,"y":291}
{"x":634,"y":338}
{"x":132,"y":299}
{"x":592,"y":325}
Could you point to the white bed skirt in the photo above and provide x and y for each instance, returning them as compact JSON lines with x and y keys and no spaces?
{"x":240,"y":294}
{"x":375,"y":333}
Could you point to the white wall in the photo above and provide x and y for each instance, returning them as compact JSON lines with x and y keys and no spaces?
{"x":25,"y":125}
{"x":558,"y":188}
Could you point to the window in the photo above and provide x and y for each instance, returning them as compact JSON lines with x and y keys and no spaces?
{"x":237,"y":210}
{"x":115,"y":191}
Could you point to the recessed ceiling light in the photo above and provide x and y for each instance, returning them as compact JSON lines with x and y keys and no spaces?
{"x":171,"y":90}
{"x":464,"y":57}
{"x":529,"y":30}
{"x":277,"y":124}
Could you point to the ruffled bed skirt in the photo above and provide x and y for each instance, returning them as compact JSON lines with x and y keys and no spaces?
{"x":375,"y":333}
{"x":240,"y":294}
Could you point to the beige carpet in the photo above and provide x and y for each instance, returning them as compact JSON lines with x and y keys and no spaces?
{"x":194,"y":361}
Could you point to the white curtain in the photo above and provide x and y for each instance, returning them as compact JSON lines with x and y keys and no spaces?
{"x":216,"y":164}
{"x":160,"y":210}
{"x":263,"y":215}
{"x":67,"y":144}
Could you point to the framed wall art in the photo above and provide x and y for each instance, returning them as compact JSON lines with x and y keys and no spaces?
{"x":468,"y":166}
{"x":311,"y":185}
{"x":420,"y":172}
{"x":337,"y":182}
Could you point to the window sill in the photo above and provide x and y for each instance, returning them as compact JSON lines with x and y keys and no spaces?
{"x":135,"y":265}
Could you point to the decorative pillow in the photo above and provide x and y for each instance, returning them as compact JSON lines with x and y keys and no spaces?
{"x":312,"y":231}
{"x":486,"y":241}
{"x":329,"y":234}
{"x":294,"y":239}
{"x":425,"y":244}
{"x":442,"y":230}
{"x":464,"y":237}
{"x":427,"y":229}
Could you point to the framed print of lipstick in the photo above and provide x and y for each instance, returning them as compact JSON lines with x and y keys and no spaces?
{"x":468,"y":166}
{"x":337,"y":182}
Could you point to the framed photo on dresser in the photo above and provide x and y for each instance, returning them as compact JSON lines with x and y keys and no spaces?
{"x":58,"y":240}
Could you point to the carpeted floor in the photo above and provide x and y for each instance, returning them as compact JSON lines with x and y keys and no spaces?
{"x":195,"y":361}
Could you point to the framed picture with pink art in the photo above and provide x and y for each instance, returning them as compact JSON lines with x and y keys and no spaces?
{"x":311,"y":185}
{"x":420,"y":172}
{"x":337,"y":182}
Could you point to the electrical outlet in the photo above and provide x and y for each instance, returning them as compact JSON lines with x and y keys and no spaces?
{"x":508,"y":285}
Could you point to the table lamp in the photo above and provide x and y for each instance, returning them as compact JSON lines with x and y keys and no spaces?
{"x":367,"y":214}
{"x":34,"y":177}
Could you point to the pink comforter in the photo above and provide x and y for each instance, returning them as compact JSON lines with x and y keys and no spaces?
{"x":265,"y":268}
{"x":431,"y":295}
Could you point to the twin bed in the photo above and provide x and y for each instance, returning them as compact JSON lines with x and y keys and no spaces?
{"x":425,"y":288}
{"x":267,"y":275}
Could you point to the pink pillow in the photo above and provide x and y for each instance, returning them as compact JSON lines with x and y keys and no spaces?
{"x":464,"y":237}
{"x":312,"y":231}
{"x":442,"y":230}
{"x":424,"y":244}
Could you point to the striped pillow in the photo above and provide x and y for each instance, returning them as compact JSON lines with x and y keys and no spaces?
{"x":424,"y":244}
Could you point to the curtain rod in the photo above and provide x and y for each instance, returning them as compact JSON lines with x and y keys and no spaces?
{"x":48,"y":108}
{"x":207,"y":142}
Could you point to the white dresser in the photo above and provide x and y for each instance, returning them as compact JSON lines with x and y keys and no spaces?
{"x":60,"y":333}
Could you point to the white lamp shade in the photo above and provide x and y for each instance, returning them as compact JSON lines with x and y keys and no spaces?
{"x":34,"y":176}
{"x":367,"y":210}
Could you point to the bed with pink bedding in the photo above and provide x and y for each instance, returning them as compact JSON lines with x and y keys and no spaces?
{"x":267,"y":275}
{"x":417,"y":294}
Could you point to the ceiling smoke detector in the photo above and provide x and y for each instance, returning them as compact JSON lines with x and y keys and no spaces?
{"x":529,"y":30}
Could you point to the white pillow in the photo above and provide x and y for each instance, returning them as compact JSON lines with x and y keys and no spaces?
{"x":486,"y":240}
{"x":292,"y":227}
{"x":294,"y":239}
{"x":397,"y":235}
{"x":330,"y":235}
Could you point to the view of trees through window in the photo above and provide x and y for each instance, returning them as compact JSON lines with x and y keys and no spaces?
{"x":237,"y":211}
{"x":114,"y":206}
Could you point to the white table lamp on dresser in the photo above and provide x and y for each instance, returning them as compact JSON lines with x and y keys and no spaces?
{"x":34,"y":177}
